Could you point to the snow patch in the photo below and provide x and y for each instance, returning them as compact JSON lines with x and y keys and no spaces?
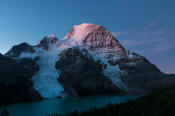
{"x":38,"y":52}
{"x":113,"y":73}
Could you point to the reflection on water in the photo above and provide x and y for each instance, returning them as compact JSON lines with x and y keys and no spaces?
{"x":64,"y":105}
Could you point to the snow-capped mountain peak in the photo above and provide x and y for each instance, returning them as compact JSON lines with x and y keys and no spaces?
{"x":81,"y":31}
{"x":52,"y":36}
{"x":94,"y":36}
{"x":47,"y":41}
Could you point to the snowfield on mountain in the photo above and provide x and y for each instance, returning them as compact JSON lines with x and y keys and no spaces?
{"x":87,"y":61}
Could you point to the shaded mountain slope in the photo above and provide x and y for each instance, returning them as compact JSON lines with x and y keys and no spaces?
{"x":15,"y":80}
{"x":89,"y":60}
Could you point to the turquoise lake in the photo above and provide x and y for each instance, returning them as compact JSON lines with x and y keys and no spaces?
{"x":64,"y":105}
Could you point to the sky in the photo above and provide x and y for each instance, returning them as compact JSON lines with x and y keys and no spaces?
{"x":146,"y":27}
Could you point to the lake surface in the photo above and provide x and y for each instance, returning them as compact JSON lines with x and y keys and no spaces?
{"x":64,"y":105}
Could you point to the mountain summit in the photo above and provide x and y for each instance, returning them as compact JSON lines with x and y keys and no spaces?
{"x":89,"y":60}
{"x":94,"y":36}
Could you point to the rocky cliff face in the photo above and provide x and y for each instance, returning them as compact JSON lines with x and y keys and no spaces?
{"x":141,"y":76}
{"x":47,"y":41}
{"x":45,"y":44}
{"x":95,"y":37}
{"x":81,"y":75}
{"x":127,"y":70}
{"x":89,"y":60}
{"x":15,"y":80}
{"x":16,"y":50}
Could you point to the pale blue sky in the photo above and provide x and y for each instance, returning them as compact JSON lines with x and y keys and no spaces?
{"x":143,"y":26}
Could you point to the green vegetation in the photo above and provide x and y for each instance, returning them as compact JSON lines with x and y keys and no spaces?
{"x":160,"y":103}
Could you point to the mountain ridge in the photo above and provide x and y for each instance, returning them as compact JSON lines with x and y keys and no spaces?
{"x":120,"y":70}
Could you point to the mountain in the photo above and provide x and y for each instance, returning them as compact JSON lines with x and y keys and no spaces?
{"x":44,"y":44}
{"x":16,"y":50}
{"x":87,"y":61}
{"x":94,"y":36}
{"x":16,"y":83}
{"x":46,"y":41}
{"x":81,"y":75}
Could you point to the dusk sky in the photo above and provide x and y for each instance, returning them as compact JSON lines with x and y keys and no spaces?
{"x":143,"y":26}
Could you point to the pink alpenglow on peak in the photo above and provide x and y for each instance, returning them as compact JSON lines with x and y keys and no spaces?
{"x":81,"y":31}
{"x":94,"y":36}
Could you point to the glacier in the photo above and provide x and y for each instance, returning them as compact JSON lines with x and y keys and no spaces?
{"x":45,"y":80}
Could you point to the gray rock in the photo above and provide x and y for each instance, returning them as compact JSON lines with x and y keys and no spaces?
{"x":95,"y":37}
{"x":16,"y":83}
{"x":142,"y":76}
{"x":16,"y":50}
{"x":81,"y":76}
{"x":44,"y":43}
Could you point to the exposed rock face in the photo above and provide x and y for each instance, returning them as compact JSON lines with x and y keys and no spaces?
{"x":142,"y":76}
{"x":137,"y":73}
{"x":81,"y":76}
{"x":95,"y":36}
{"x":46,"y":41}
{"x":1,"y":56}
{"x":16,"y":50}
{"x":16,"y":80}
{"x":91,"y":61}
